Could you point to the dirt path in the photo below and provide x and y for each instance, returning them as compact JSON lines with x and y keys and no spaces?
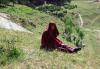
{"x":87,"y":29}
{"x":91,"y":30}
{"x":95,"y":19}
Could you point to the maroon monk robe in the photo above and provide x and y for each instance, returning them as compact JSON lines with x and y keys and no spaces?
{"x":50,"y":41}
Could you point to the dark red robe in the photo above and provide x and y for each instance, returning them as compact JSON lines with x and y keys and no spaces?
{"x":50,"y":41}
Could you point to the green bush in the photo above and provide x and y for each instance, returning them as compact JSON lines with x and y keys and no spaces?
{"x":73,"y":33}
{"x":4,"y":3}
{"x":52,"y":9}
{"x":14,"y":53}
{"x":69,"y":6}
{"x":68,"y":25}
{"x":9,"y":52}
{"x":54,"y":2}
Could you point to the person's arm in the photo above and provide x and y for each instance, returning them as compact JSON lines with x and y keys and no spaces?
{"x":44,"y":39}
{"x":59,"y":41}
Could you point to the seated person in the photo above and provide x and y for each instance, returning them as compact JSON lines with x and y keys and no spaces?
{"x":50,"y":41}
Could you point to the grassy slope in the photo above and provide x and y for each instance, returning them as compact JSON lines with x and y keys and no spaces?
{"x":90,"y":12}
{"x":38,"y":59}
{"x":26,"y":16}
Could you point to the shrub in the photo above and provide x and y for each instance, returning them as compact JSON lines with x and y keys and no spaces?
{"x":54,"y":2}
{"x":68,"y":25}
{"x":4,"y":3}
{"x":52,"y":9}
{"x":69,"y":6}
{"x":9,"y":52}
{"x":14,"y":53}
{"x":73,"y":33}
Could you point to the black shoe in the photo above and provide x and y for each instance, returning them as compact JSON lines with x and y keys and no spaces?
{"x":77,"y":49}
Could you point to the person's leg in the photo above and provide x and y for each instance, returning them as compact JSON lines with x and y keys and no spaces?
{"x":66,"y":48}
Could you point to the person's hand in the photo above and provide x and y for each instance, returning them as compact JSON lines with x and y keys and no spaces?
{"x":62,"y":44}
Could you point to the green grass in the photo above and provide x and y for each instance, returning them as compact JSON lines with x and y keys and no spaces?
{"x":28,"y":17}
{"x":34,"y":57}
{"x":87,"y":58}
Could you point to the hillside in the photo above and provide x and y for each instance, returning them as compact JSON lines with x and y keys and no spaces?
{"x":90,"y":13}
{"x":36,"y":21}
